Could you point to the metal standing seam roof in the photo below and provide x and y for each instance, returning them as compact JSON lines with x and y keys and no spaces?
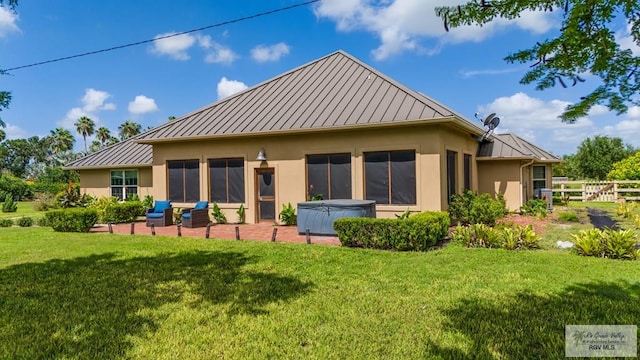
{"x":336,"y":91}
{"x":510,"y":146}
{"x":126,"y":153}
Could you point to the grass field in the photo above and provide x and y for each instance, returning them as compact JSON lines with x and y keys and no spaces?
{"x":25,"y":208}
{"x":101,"y":296}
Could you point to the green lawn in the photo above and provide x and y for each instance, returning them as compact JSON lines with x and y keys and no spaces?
{"x":25,"y":208}
{"x":101,"y":296}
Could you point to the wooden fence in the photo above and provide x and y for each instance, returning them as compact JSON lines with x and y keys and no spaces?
{"x":602,"y":191}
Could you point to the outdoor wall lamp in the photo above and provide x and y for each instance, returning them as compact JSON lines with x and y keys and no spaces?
{"x":262,"y":155}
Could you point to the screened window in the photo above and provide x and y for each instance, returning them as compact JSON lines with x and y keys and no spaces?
{"x":124,"y":183}
{"x":226,"y":180}
{"x":467,"y":172}
{"x":390,"y":177}
{"x":539,"y":177}
{"x":452,"y":160}
{"x":184,"y":180}
{"x":329,"y":176}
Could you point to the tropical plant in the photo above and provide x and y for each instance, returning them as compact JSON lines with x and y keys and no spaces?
{"x":535,"y":207}
{"x":405,"y":215}
{"x":625,"y":209}
{"x":288,"y":215}
{"x":218,"y":215}
{"x":128,"y":129}
{"x":103,"y":135}
{"x":586,"y":43}
{"x":471,"y":208}
{"x":241,"y":214}
{"x":607,"y":243}
{"x":568,"y":217}
{"x":85,"y":127}
{"x":61,"y":140}
{"x":147,"y":202}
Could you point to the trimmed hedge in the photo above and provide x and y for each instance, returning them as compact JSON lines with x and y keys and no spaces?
{"x":6,"y":222}
{"x":416,"y":233}
{"x":125,"y":212}
{"x":72,"y":219}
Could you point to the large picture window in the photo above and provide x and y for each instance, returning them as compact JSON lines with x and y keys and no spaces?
{"x":452,"y":164}
{"x":124,"y":183}
{"x":184,"y":180}
{"x":539,"y":177}
{"x":467,"y":172}
{"x":329,"y":176}
{"x":226,"y":180}
{"x":390,"y":177}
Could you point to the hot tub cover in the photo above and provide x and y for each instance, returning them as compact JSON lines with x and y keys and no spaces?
{"x":318,"y":216}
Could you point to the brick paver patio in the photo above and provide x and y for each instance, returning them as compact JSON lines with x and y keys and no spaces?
{"x":259,"y":232}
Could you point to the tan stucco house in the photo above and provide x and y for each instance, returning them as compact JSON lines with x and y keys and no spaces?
{"x":334,"y":127}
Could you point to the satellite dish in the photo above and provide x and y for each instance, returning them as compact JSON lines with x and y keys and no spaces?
{"x":488,"y":119}
{"x":493,"y":123}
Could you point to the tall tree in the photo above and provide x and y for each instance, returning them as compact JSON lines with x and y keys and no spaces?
{"x":595,"y":158}
{"x":61,"y":140}
{"x":129,"y":129}
{"x":586,"y":43}
{"x":103,"y":135}
{"x":85,"y":127}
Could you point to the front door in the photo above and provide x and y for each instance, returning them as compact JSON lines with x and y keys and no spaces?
{"x":266,"y":194}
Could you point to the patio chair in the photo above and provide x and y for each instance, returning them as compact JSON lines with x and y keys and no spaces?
{"x":161,"y":214}
{"x":197,"y":216}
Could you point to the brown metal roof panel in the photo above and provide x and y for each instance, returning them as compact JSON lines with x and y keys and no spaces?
{"x":391,"y":110}
{"x":416,"y":111}
{"x":326,"y":95}
{"x":370,"y":89}
{"x":378,"y":100}
{"x":353,"y":97}
{"x":343,"y":96}
{"x":405,"y":107}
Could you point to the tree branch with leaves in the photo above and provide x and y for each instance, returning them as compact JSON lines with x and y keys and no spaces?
{"x":585,"y":45}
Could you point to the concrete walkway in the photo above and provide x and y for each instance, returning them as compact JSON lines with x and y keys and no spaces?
{"x":259,"y":232}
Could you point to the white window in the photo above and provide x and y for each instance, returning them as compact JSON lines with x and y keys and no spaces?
{"x":124,"y":183}
{"x":539,"y":177}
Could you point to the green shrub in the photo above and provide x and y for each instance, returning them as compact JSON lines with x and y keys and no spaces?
{"x":125,"y":212}
{"x":218,"y":215}
{"x":514,"y":237}
{"x":419,"y":232}
{"x":535,"y":207}
{"x":612,"y":244}
{"x":9,"y":205}
{"x":568,"y":217}
{"x":72,"y":220}
{"x":6,"y":223}
{"x":625,"y":209}
{"x":101,"y":204}
{"x":42,"y":221}
{"x":25,"y":221}
{"x":18,"y":188}
{"x":471,"y":208}
{"x":44,"y":201}
{"x":288,"y":215}
{"x":147,"y":202}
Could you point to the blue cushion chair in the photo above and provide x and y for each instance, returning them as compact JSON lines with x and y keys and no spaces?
{"x":161,"y":214}
{"x":197,"y":216}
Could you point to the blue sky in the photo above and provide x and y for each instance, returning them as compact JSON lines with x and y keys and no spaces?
{"x":463,"y":69}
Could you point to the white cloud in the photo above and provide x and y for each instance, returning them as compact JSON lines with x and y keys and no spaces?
{"x":402,"y":24}
{"x":8,"y":21}
{"x":634,"y":112}
{"x":175,"y":46}
{"x":597,"y":110}
{"x":472,"y":73}
{"x":142,"y":105}
{"x":93,"y":102}
{"x":229,"y":87}
{"x":264,"y":53}
{"x":15,"y":132}
{"x":626,"y":41}
{"x":219,"y":54}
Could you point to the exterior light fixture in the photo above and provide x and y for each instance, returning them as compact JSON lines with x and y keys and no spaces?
{"x":262,"y":155}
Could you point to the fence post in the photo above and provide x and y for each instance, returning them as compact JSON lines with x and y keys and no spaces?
{"x":133,"y":225}
{"x":237,"y":233}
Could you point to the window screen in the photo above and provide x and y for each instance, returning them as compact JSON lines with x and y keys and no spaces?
{"x":226,"y":180}
{"x":184,"y":180}
{"x":329,"y":176}
{"x":390,"y":177}
{"x":452,"y":160}
{"x":467,"y":172}
{"x":124,"y":183}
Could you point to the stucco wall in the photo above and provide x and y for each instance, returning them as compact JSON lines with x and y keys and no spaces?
{"x":97,"y":182}
{"x":501,"y":177}
{"x":287,"y":155}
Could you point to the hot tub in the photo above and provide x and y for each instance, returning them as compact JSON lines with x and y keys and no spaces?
{"x":318,"y":216}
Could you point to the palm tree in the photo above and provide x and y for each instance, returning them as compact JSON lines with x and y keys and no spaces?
{"x":103,"y":134}
{"x":3,"y":135}
{"x":95,"y":146}
{"x":85,"y":127}
{"x":112,"y":140}
{"x":61,"y":140}
{"x":129,"y":129}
